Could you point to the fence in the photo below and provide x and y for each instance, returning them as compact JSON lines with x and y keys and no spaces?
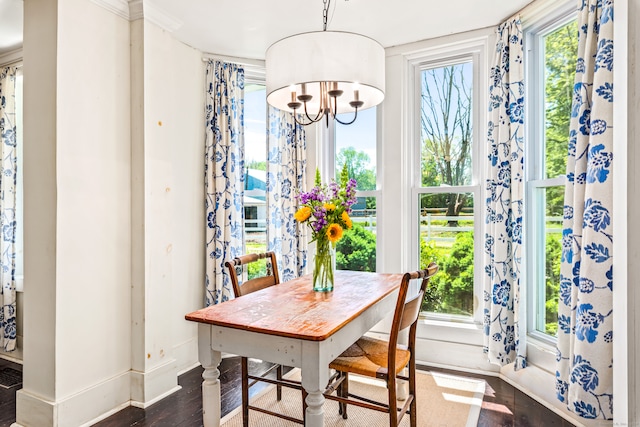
{"x":432,"y":226}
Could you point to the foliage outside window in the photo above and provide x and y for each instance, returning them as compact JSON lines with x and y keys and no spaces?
{"x":446,"y":192}
{"x":356,"y":147}
{"x":555,"y":52}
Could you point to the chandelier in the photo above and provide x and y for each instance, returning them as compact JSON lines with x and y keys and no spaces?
{"x":325,"y":73}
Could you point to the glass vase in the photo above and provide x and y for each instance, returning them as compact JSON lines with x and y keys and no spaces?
{"x":324,"y":266}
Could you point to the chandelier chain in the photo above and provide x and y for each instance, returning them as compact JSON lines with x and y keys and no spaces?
{"x":325,"y":13}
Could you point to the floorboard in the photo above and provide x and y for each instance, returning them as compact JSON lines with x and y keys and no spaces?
{"x":503,"y":405}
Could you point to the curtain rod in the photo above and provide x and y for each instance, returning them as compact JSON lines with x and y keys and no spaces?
{"x":235,"y":60}
{"x":532,"y":11}
{"x":17,"y":62}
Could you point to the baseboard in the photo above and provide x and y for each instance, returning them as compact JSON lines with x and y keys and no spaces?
{"x":76,"y":410}
{"x":150,"y":386}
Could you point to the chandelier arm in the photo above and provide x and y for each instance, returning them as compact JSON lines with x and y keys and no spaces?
{"x":313,"y":120}
{"x":301,"y":123}
{"x":318,"y":116}
{"x":355,"y":116}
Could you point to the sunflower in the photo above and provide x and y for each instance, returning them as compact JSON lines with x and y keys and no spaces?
{"x":334,"y":233}
{"x":329,"y":207}
{"x":347,"y":221}
{"x":303,"y":214}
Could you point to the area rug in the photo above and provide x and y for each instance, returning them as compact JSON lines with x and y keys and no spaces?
{"x":443,"y":400}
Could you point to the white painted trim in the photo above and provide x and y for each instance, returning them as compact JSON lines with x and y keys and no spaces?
{"x":160,"y":17}
{"x":118,"y":7}
{"x":136,"y":10}
{"x":157,"y":381}
{"x":253,"y":68}
{"x":75,"y":410}
{"x":132,"y":10}
{"x":11,"y":57}
{"x":145,"y":405}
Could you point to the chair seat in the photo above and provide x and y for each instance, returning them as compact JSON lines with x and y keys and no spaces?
{"x":368,"y":356}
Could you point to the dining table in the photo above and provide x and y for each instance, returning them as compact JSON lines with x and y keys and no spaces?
{"x":292,"y":325}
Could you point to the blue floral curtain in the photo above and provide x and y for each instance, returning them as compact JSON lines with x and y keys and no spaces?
{"x":584,"y":376}
{"x":286,"y":165}
{"x":224,"y":174}
{"x":8,"y":208}
{"x":504,"y":319}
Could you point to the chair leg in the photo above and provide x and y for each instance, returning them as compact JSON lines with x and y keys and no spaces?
{"x":279,"y":387}
{"x":393,"y":401}
{"x":339,"y":393}
{"x":304,"y":406}
{"x":344,"y":387}
{"x":245,"y":391}
{"x":412,"y":392}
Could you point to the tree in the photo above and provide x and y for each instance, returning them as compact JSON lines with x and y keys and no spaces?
{"x":357,"y":250}
{"x":357,"y":163}
{"x":561,"y":49}
{"x":447,"y":133}
{"x":261,"y":166}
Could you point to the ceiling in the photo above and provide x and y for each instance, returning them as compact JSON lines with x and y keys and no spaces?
{"x":246,"y":28}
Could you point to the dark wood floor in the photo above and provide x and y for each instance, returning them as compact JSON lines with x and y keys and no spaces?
{"x":503,"y":405}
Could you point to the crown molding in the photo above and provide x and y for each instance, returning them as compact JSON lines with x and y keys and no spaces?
{"x":11,"y":57}
{"x":132,"y":10}
{"x":118,"y":7}
{"x":161,"y":18}
{"x":136,"y":10}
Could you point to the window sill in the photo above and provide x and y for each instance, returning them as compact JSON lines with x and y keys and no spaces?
{"x":466,"y":332}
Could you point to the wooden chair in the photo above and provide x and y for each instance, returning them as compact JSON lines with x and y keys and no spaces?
{"x":235,"y":267}
{"x":384,"y":359}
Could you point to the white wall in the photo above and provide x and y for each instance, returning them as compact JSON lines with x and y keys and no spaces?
{"x":174,"y":195}
{"x":77,"y":248}
{"x":93,"y":166}
{"x":89,"y":137}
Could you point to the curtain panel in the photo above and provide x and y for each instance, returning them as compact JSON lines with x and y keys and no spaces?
{"x":584,"y":376}
{"x":8,"y":208}
{"x":504,"y":319}
{"x":286,"y":165}
{"x":224,"y":175}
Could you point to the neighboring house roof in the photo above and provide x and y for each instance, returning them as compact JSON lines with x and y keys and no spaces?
{"x":252,"y":201}
{"x":255,"y":180}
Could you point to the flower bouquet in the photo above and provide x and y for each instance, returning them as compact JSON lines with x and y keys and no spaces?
{"x":326,"y":210}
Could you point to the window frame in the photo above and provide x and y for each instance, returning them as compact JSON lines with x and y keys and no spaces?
{"x":474,"y":51}
{"x":535,"y":213}
{"x":326,"y":155}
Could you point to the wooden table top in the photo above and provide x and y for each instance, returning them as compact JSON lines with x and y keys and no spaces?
{"x":293,"y":309}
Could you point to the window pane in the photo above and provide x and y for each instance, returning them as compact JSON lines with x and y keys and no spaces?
{"x":560,"y":53}
{"x":448,"y":240}
{"x":255,"y":209}
{"x":356,"y":147}
{"x":548,"y":309}
{"x":446,"y":125}
{"x":357,"y":248}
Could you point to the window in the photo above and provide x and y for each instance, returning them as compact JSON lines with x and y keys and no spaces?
{"x":551,"y":68}
{"x":255,"y":208}
{"x":447,"y":122}
{"x":356,"y":147}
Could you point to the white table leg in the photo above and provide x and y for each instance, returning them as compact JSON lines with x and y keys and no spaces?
{"x":315,"y":409}
{"x":209,"y":359}
{"x":315,"y":375}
